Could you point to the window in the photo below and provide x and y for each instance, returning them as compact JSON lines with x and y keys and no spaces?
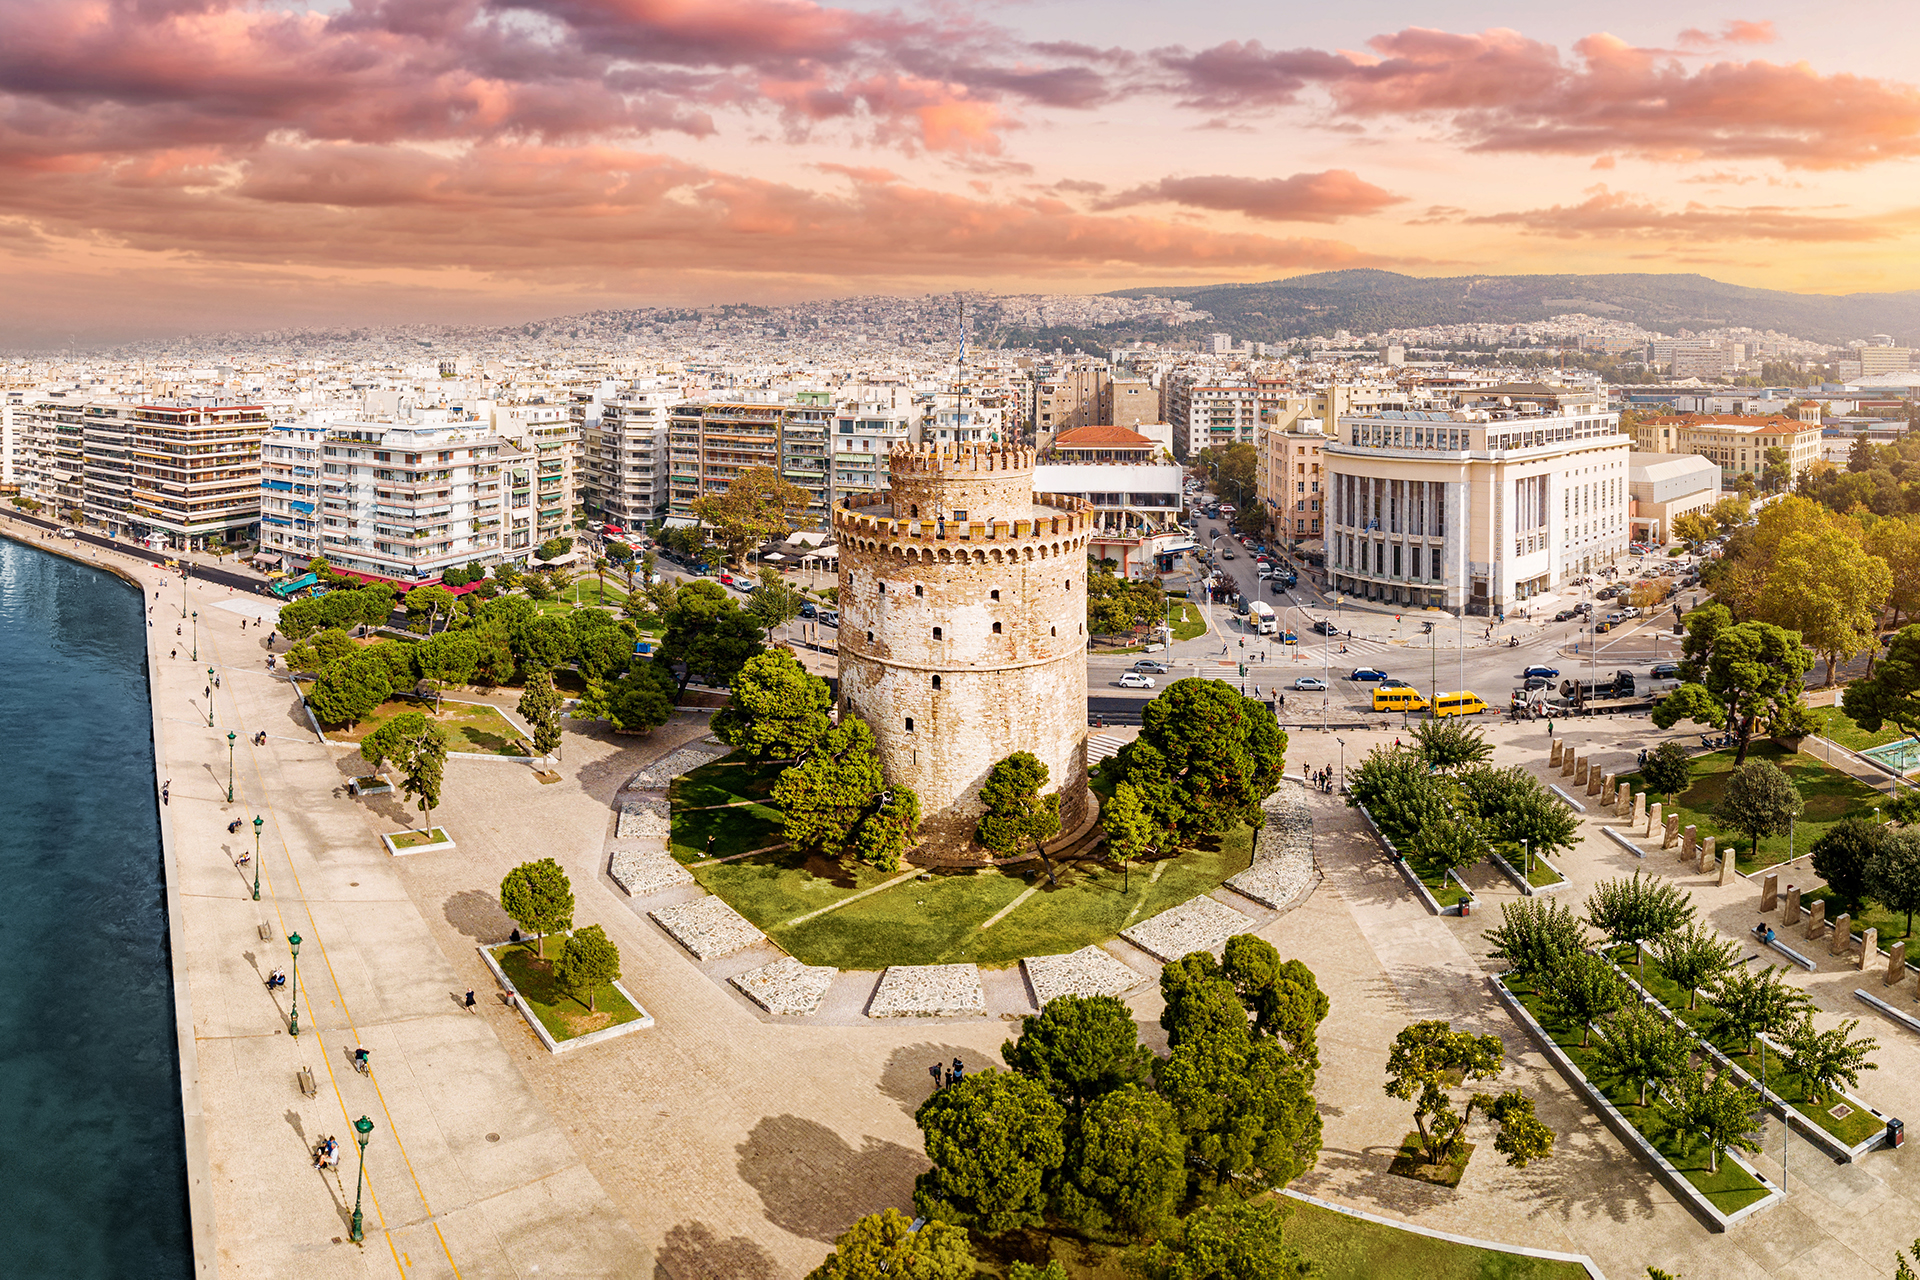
{"x":994,"y":594}
{"x":936,"y":683}
{"x":1053,"y":631}
{"x":883,"y":588}
{"x":870,"y":637}
{"x":996,"y":628}
{"x":919,"y":590}
{"x":936,"y":633}
{"x":909,"y":724}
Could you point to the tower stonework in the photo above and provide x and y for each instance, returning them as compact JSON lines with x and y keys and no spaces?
{"x":963,"y":608}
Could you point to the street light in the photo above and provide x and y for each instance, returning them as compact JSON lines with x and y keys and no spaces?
{"x":196,"y":635}
{"x":258,"y":821}
{"x":209,"y":697}
{"x":230,"y":738}
{"x":293,"y":1019}
{"x":1343,"y":761}
{"x":362,"y":1130}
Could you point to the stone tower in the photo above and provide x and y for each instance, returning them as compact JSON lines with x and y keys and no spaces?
{"x":963,"y":608}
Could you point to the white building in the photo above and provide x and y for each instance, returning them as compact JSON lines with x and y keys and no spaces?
{"x":623,"y":439}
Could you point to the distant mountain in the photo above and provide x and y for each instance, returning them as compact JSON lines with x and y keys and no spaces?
{"x":1365,"y":301}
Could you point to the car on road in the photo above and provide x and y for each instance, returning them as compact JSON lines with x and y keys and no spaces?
{"x":1135,"y":680}
{"x":808,"y":609}
{"x":1548,"y":672}
{"x":1324,"y":628}
{"x":1565,"y":615}
{"x":1310,"y":684}
{"x":1583,"y":608}
{"x":829,"y":617}
{"x":1153,"y":666}
{"x":1394,"y":682}
{"x":1664,"y":671}
{"x":1226,"y":553}
{"x":1537,"y":682}
{"x":1367,"y":673}
{"x":1606,"y":593}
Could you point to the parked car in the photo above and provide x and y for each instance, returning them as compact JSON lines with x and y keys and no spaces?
{"x":1393,"y":682}
{"x":1367,"y":673}
{"x":1583,"y":608}
{"x":829,"y":617}
{"x":1310,"y":684}
{"x":1153,"y":666}
{"x":1135,"y":680}
{"x":1548,"y":672}
{"x":808,"y":609}
{"x":1565,"y":615}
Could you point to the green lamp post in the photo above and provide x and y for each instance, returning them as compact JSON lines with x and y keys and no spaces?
{"x":230,"y":738}
{"x":257,"y":823}
{"x":293,"y":1019}
{"x":196,"y":636}
{"x":209,"y":692}
{"x":362,"y":1130}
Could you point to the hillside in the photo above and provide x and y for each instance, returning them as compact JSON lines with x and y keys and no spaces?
{"x":1365,"y":300}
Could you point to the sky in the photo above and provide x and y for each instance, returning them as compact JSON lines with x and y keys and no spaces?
{"x":170,"y":166}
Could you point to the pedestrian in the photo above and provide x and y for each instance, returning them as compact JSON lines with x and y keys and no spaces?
{"x":1549,"y":728}
{"x":166,"y":792}
{"x":216,"y":682}
{"x":174,"y":653}
{"x":470,"y":1006}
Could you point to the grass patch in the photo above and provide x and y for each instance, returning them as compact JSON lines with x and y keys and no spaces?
{"x":1446,"y":891}
{"x":473,"y":727}
{"x":563,"y":1016}
{"x":414,"y":839}
{"x":1891,"y":924}
{"x":1852,"y":1129}
{"x":1189,"y":621}
{"x":726,"y":781}
{"x":1409,"y":1162}
{"x":722,"y":833}
{"x":1828,"y":795}
{"x":1836,"y":726}
{"x":586,"y":591}
{"x":1730,"y":1189}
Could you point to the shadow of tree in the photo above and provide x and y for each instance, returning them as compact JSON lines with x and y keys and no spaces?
{"x":813,"y":1184}
{"x":908,"y":1079}
{"x":477,"y":914}
{"x":694,"y":1251}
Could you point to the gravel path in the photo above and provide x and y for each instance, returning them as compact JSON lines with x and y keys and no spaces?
{"x":1283,"y":871}
{"x":928,"y":991}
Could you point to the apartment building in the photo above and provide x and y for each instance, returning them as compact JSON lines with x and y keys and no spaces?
{"x":290,"y":462}
{"x":624,"y":442}
{"x":1289,"y":481}
{"x":710,"y":442}
{"x":50,"y":435}
{"x":864,"y":433}
{"x":1068,"y":398}
{"x":1128,"y":400}
{"x":1209,"y":414}
{"x":1131,"y":482}
{"x":1738,"y":442}
{"x":806,"y":450}
{"x":408,"y":497}
{"x":541,"y":481}
{"x":1480,"y":507}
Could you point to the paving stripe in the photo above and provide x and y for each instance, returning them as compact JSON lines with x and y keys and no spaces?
{"x":902,"y":878}
{"x":1002,"y":913}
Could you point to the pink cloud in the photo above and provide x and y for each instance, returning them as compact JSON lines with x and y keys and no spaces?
{"x":1737,"y":31}
{"x":1304,"y":197}
{"x":1608,"y":214}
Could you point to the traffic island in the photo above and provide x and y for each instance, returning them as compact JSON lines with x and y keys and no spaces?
{"x":432,"y":840}
{"x":562,"y":1022}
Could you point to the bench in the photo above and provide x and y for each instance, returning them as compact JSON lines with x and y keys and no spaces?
{"x":307,"y":1085}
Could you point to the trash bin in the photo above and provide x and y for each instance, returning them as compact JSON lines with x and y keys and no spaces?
{"x":1466,"y":906}
{"x":1896,"y":1133}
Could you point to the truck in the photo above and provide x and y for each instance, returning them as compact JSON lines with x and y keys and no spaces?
{"x":1261,"y":618}
{"x":1599,"y":697}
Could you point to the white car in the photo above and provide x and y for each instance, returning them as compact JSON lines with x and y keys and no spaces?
{"x":1135,"y":680}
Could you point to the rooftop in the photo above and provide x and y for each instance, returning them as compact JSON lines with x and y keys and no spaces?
{"x":1102,"y":436}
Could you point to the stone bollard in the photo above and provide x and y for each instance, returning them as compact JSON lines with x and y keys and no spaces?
{"x":1629,"y":806}
{"x":1689,"y":842}
{"x":1579,"y":771}
{"x":1707,"y":856}
{"x":1816,"y":918}
{"x":1869,"y":947}
{"x":1639,"y":809}
{"x":1609,"y":790}
{"x":1727,"y":861}
{"x":1790,"y":913}
{"x":1842,"y":940}
{"x":1673,"y":831}
{"x":1567,"y":761}
{"x":1593,"y":780}
{"x":1559,"y":749}
{"x":1770,"y":892}
{"x":1897,"y":964}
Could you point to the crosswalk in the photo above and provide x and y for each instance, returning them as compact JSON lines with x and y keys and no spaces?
{"x":1102,"y":745}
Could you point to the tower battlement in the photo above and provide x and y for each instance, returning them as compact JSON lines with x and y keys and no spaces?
{"x":925,"y":459}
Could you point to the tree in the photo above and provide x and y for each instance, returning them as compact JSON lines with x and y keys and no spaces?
{"x":418,"y":749}
{"x":1517,"y":810}
{"x":1888,"y":695}
{"x":1693,"y":528}
{"x":1730,"y":511}
{"x":1824,"y":1060}
{"x":1534,"y":935}
{"x":1737,"y":676}
{"x":1283,"y":997}
{"x":1018,"y":816}
{"x":1449,"y":846}
{"x":538,"y":897}
{"x":837,"y":804}
{"x":1668,"y":771}
{"x":1448,"y":744}
{"x":1895,"y":874}
{"x":588,"y":961}
{"x":1843,"y":856}
{"x":1132,"y":835}
{"x":540,"y":707}
{"x":315,"y":654}
{"x":1523,"y":1136}
{"x":640,"y":700}
{"x":553,"y":548}
{"x":1719,"y":1111}
{"x":995,"y":1140}
{"x":602,"y":644}
{"x":1642,"y":1048}
{"x":1583,"y":988}
{"x":885,"y":1246}
{"x":777,"y":707}
{"x":1760,"y":800}
{"x":1079,"y":1048}
{"x":426,"y":605}
{"x":1693,"y":958}
{"x":1205,"y":758}
{"x":350,"y":688}
{"x":775,"y":602}
{"x":1898,"y":543}
{"x":1636,"y":911}
{"x":1860,"y":457}
{"x":1124,"y":1171}
{"x":1754,"y":1002}
{"x":1825,"y":586}
{"x":1426,"y":1059}
{"x":757,"y":505}
{"x":452,"y":657}
{"x":1233,"y":1241}
{"x":710,"y":635}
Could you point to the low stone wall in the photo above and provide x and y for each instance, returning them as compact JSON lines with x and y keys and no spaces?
{"x":928,"y":991}
{"x":659,"y":775}
{"x":1199,"y":924}
{"x":1283,"y":873}
{"x":1086,"y":972}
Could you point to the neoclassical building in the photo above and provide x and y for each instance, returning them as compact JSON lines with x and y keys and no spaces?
{"x":963,"y":606}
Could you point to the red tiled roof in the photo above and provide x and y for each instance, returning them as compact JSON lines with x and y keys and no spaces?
{"x":1087,"y":437}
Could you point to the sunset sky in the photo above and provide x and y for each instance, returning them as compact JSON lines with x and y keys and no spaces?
{"x":179,"y":165}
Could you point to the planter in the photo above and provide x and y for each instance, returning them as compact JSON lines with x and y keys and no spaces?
{"x":369,"y":787}
{"x":644,"y":1021}
{"x":400,"y":843}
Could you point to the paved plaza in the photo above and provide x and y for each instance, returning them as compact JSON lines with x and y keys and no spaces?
{"x":727,"y":1142}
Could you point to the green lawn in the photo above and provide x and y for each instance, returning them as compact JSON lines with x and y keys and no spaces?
{"x":1189,"y":621}
{"x":726,"y":781}
{"x":733,"y":830}
{"x":413,"y":839}
{"x":1445,"y":891}
{"x":1344,"y":1247}
{"x":1851,"y":1129}
{"x":1836,"y":726}
{"x":1828,"y":795}
{"x":473,"y":727}
{"x":1891,"y":924}
{"x":1540,"y":876}
{"x":1730,"y":1189}
{"x":563,"y":1016}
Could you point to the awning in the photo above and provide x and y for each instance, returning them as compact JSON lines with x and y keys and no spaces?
{"x":565,"y":557}
{"x":773,"y":555}
{"x":681,"y":522}
{"x":266,"y":557}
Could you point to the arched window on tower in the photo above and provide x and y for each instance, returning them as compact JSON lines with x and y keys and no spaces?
{"x":936,"y":633}
{"x":996,"y":628}
{"x":936,"y":684}
{"x":994,"y":595}
{"x":913,"y":512}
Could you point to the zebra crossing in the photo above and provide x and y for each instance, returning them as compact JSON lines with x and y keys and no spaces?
{"x":1102,"y":745}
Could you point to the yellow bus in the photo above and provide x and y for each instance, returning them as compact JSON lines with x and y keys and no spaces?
{"x":1463,"y":703}
{"x":1398,"y":698}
